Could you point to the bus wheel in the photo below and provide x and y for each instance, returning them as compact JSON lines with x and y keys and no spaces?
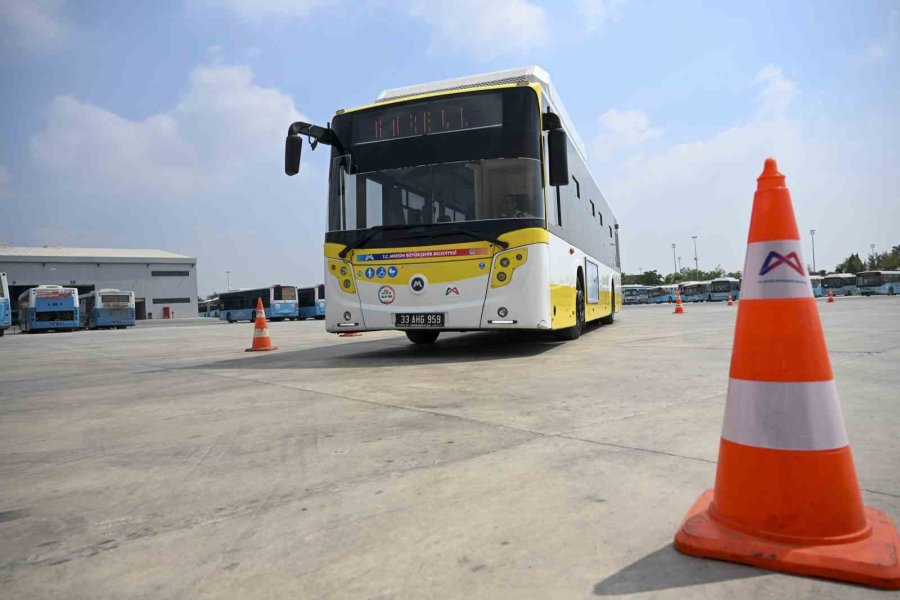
{"x":890,"y":293}
{"x":422,"y":336}
{"x":574,"y":332}
{"x":253,"y":317}
{"x":611,"y":317}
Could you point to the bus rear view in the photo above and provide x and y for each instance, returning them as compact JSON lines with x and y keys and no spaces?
{"x":49,"y":308}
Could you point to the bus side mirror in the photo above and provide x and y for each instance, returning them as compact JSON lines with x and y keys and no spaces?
{"x":293,"y":145}
{"x":557,"y":150}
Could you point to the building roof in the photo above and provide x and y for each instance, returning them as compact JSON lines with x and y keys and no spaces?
{"x":531,"y":74}
{"x":30,"y":254}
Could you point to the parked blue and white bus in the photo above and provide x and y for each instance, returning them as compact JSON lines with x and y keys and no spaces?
{"x":279,"y":302}
{"x":208,"y":307}
{"x":312,"y":302}
{"x":107,"y":309}
{"x":816,"y":282}
{"x":5,"y":305}
{"x":722,"y":287}
{"x":656,"y":295}
{"x":633,"y":293}
{"x":878,"y":282}
{"x":48,"y":307}
{"x":842,"y":284}
{"x":695,"y":291}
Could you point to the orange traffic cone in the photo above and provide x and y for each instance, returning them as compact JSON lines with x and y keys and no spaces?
{"x":679,"y":307}
{"x":730,"y":300}
{"x":349,"y":334}
{"x":786,"y":496}
{"x":830,"y":296}
{"x":261,"y":339}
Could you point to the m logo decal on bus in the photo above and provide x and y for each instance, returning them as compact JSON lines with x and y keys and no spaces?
{"x":773,"y":260}
{"x":417,"y":284}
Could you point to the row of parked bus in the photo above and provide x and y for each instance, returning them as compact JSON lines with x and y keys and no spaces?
{"x":280,"y":302}
{"x":59,"y":308}
{"x":868,"y":283}
{"x":716,"y":290}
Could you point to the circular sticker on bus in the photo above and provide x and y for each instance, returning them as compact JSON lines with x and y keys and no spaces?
{"x":386,"y":294}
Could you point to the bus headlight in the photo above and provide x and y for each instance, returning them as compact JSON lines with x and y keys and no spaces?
{"x":505,"y":264}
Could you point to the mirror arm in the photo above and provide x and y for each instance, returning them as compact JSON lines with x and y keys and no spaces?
{"x":315,"y":133}
{"x":550,"y":121}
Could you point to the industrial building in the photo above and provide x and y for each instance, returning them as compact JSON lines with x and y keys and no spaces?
{"x":164,"y":283}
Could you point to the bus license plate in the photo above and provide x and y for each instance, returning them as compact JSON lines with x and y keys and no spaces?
{"x":419,"y":320}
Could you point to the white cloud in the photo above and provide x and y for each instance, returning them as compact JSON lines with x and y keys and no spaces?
{"x":203,"y":143}
{"x":597,"y":13}
{"x":483,"y":29}
{"x":777,"y":94}
{"x":839,"y":173}
{"x":204,"y":178}
{"x":880,"y":49}
{"x":34,"y":26}
{"x":257,"y":10}
{"x":621,"y":130}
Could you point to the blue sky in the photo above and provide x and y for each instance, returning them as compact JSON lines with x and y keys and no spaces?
{"x":162,"y":124}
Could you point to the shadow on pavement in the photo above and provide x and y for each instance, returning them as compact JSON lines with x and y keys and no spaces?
{"x":667,"y":568}
{"x":455,"y":348}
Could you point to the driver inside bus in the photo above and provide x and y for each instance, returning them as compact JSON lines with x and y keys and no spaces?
{"x":511,"y":207}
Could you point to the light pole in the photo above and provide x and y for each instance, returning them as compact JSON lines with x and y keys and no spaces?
{"x":674,"y":265}
{"x":696,"y":262}
{"x":679,"y":264}
{"x":812,"y":234}
{"x":227,"y":281}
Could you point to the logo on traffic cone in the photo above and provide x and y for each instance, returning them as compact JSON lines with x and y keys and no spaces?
{"x":786,"y":496}
{"x":730,"y":300}
{"x":830,"y":296}
{"x":261,"y":339}
{"x":679,"y":307}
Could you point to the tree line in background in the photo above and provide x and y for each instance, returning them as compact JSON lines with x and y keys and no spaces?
{"x":879,"y":261}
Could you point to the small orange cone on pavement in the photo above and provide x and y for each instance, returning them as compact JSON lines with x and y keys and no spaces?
{"x":679,"y":307}
{"x":730,"y":300}
{"x":786,"y":496}
{"x":830,"y":296}
{"x":261,"y":339}
{"x":349,"y":334}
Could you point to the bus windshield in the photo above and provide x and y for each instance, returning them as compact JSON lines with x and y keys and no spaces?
{"x":449,"y":193}
{"x":450,"y":159}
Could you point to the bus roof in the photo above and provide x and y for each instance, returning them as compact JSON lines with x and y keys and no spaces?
{"x":530,"y":74}
{"x":882,"y":272}
{"x":841,"y":275}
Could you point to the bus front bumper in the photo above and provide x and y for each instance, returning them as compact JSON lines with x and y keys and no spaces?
{"x":521,"y":301}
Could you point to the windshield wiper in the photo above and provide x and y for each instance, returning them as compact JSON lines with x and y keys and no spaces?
{"x":472,"y":234}
{"x":360,"y":241}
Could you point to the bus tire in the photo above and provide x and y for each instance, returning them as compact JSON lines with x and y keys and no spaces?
{"x":422,"y":336}
{"x":611,"y":317}
{"x":228,"y":318}
{"x":253,"y":317}
{"x":2,"y":331}
{"x":890,"y":291}
{"x":574,"y":332}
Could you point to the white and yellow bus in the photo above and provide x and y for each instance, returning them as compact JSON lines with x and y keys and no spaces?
{"x":463,"y":205}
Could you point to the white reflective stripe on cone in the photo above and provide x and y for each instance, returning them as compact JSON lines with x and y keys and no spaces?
{"x":261,"y":332}
{"x":784,"y":416}
{"x":771,"y":271}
